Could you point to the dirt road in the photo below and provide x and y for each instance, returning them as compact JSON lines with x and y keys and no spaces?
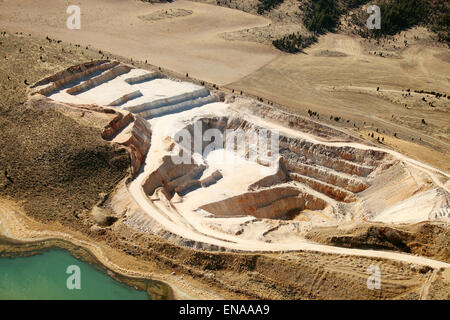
{"x":190,"y":227}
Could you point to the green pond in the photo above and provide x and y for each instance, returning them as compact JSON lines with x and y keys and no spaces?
{"x":44,"y":276}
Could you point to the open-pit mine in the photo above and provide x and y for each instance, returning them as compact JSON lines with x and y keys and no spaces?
{"x":199,"y":177}
{"x":224,"y":150}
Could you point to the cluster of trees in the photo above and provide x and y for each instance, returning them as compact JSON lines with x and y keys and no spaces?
{"x":396,"y":15}
{"x":399,"y":15}
{"x":267,"y":5}
{"x":335,"y":118}
{"x":322,"y":16}
{"x":313,"y":113}
{"x":294,"y":42}
{"x":440,"y":19}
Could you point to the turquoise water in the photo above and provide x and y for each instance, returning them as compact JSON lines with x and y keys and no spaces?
{"x":44,"y":277}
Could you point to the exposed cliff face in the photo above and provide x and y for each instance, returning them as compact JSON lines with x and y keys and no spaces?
{"x":310,"y":176}
{"x":173,"y":178}
{"x":273,"y":203}
{"x":125,"y":129}
{"x":280,"y":176}
{"x":97,"y":80}
{"x":128,"y":130}
{"x":178,"y":179}
{"x":347,"y":160}
{"x":428,"y":238}
{"x":137,"y":140}
{"x":60,"y":168}
{"x":54,"y":83}
{"x":119,"y":122}
{"x":297,"y":122}
{"x":339,"y":173}
{"x":350,"y":183}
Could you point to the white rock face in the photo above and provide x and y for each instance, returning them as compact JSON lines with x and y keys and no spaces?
{"x":224,"y":198}
{"x":425,"y":206}
{"x":139,"y":91}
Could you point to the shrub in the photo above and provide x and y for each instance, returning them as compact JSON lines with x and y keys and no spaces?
{"x":293,"y":43}
{"x":267,"y":5}
{"x":399,"y":15}
{"x":322,"y":16}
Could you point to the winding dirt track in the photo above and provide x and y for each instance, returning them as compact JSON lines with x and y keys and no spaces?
{"x":113,"y":25}
{"x":174,"y":222}
{"x":248,"y":245}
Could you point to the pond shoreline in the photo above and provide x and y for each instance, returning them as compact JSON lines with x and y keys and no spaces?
{"x":26,"y":236}
{"x":12,"y":248}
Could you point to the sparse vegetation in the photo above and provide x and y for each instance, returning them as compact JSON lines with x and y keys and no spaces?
{"x":441,"y":24}
{"x":322,"y":16}
{"x":57,"y":167}
{"x":399,"y":15}
{"x":294,"y":43}
{"x":267,"y":5}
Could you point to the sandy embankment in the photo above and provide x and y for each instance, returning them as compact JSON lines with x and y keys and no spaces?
{"x":168,"y":124}
{"x":15,"y":225}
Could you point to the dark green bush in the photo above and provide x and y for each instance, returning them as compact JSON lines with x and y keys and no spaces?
{"x":294,"y":43}
{"x":322,"y":16}
{"x":400,"y":15}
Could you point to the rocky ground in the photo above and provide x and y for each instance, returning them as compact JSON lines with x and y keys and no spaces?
{"x":343,"y":65}
{"x":46,"y":156}
{"x":59,"y":142}
{"x":200,"y":274}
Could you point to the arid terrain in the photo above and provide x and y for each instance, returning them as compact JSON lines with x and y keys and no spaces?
{"x":186,"y":44}
{"x":89,"y":121}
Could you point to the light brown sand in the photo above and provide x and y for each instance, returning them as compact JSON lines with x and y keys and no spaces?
{"x":345,"y":86}
{"x":189,"y":44}
{"x":326,"y":83}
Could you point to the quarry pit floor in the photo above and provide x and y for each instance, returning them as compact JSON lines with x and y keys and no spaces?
{"x":211,"y":273}
{"x":337,"y":76}
{"x":319,"y":177}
